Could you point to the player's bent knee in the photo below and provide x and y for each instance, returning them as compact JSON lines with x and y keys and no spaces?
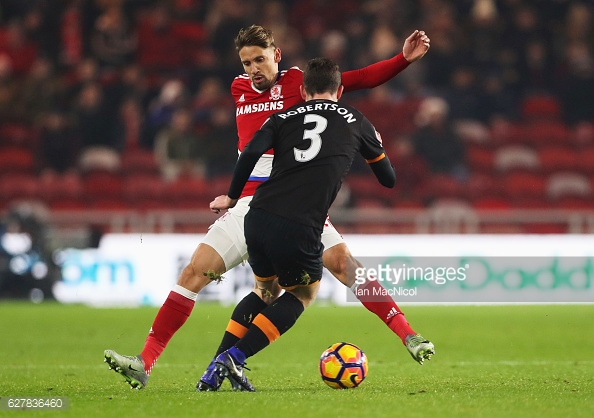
{"x":341,"y":263}
{"x":306,"y":294}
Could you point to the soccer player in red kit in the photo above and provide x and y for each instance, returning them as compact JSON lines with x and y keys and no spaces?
{"x":260,"y":92}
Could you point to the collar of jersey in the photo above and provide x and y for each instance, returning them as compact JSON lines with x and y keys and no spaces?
{"x":278,"y":75}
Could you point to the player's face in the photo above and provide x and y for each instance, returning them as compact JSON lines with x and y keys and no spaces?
{"x":261,"y":65}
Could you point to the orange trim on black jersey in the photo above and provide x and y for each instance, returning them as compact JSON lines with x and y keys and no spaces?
{"x":267,"y":327}
{"x":376,"y":159}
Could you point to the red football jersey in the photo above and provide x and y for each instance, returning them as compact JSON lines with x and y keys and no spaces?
{"x":253,"y":107}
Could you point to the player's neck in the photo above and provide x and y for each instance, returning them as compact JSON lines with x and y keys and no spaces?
{"x":324,"y":96}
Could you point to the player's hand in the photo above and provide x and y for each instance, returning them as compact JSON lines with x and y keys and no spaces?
{"x":222,"y":202}
{"x":416,"y":45}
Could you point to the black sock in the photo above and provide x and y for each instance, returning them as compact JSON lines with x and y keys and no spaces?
{"x":271,"y":323}
{"x":241,"y":318}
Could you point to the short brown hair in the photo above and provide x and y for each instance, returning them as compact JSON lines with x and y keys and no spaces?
{"x":254,"y":36}
{"x":321,"y":75}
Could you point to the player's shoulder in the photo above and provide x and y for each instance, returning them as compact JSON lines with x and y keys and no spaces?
{"x":293,"y":73}
{"x":242,"y":81}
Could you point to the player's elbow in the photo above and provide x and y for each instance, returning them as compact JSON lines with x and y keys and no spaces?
{"x":387,"y":178}
{"x":388,"y":181}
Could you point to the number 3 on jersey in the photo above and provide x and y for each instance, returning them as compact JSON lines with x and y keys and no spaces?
{"x":304,"y":155}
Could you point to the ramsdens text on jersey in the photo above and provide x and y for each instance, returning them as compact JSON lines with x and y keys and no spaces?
{"x":259,"y":107}
{"x":350,"y":118}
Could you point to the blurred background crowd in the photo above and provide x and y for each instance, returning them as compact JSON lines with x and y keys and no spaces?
{"x":499,"y":113}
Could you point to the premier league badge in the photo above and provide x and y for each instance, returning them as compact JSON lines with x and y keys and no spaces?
{"x":275,"y":92}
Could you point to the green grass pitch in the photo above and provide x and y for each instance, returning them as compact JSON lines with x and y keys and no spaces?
{"x":491,"y":361}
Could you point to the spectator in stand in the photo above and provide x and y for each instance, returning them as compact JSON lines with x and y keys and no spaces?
{"x":172,"y":96}
{"x":577,"y":86}
{"x":437,"y":142}
{"x":9,"y":88}
{"x":462,"y":95}
{"x":99,"y":130}
{"x":160,"y":47}
{"x":58,"y":148}
{"x":113,"y":41}
{"x":211,"y":93}
{"x":41,"y":91}
{"x":21,"y":51}
{"x":220,"y":142}
{"x":178,"y":150}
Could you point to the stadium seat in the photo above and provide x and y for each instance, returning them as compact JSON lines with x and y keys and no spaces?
{"x":139,"y":161}
{"x":17,"y":186}
{"x":521,"y":186}
{"x":585,"y":162}
{"x":16,"y":135}
{"x":16,"y":160}
{"x":145,"y":191}
{"x":190,"y":193}
{"x":516,"y":158}
{"x":479,"y":158}
{"x":546,"y":133}
{"x":483,"y":185}
{"x":566,"y":184}
{"x":100,"y":185}
{"x":558,"y":158}
{"x":62,"y":191}
{"x":540,"y":107}
{"x":575,"y":203}
{"x":442,"y":186}
{"x":491,"y":203}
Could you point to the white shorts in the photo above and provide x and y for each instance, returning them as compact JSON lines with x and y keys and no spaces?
{"x":226,"y":235}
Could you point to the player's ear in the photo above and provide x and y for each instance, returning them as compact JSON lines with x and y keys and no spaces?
{"x":339,"y":92}
{"x":277,"y":55}
{"x":302,"y":91}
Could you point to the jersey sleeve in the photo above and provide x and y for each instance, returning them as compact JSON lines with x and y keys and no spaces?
{"x":375,"y":74}
{"x":374,"y":153}
{"x":260,"y":143}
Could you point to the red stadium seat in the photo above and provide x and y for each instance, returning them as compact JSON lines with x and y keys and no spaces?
{"x":16,"y":160}
{"x":585,"y":162}
{"x":102,"y":185}
{"x":546,"y":133}
{"x":19,"y":187}
{"x":190,"y":193}
{"x":540,"y":107}
{"x":479,"y":158}
{"x":524,"y":186}
{"x":145,"y":192}
{"x":558,"y":158}
{"x":139,"y":161}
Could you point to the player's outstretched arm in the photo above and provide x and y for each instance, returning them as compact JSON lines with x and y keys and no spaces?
{"x":415,"y":47}
{"x":384,"y":171}
{"x":260,"y":143}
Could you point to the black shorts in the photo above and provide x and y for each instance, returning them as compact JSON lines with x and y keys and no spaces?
{"x":281,"y":247}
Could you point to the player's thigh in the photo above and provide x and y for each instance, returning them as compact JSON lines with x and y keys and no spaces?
{"x":337,"y":257}
{"x":294,"y":250}
{"x":258,"y":235}
{"x":205,"y":266}
{"x":226,"y":235}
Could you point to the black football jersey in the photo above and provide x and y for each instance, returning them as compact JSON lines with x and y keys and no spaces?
{"x":314,"y":146}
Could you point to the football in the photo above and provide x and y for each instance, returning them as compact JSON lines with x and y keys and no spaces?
{"x":343,"y":366}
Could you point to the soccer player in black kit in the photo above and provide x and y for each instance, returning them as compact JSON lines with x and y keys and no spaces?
{"x":314,"y":146}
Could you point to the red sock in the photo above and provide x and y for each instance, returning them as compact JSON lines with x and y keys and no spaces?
{"x":173,"y":314}
{"x":385,"y":308}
